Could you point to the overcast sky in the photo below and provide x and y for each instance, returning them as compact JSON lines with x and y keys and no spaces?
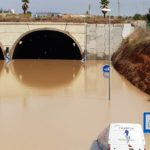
{"x":127,"y":7}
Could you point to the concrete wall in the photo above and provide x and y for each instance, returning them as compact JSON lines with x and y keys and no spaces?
{"x":10,"y":32}
{"x":140,"y":23}
{"x":98,"y":38}
{"x":94,"y":38}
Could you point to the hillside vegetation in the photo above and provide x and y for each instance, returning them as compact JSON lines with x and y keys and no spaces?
{"x":132,"y":59}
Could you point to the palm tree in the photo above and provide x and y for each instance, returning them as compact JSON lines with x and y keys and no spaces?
{"x":25,"y":5}
{"x":104,"y":4}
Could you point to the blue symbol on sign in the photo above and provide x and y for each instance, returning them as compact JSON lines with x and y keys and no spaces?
{"x":106,"y":68}
{"x":126,"y":132}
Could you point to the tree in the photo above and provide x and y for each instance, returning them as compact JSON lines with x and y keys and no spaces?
{"x":137,"y":17}
{"x":25,"y":6}
{"x":148,"y":17}
{"x":104,"y":4}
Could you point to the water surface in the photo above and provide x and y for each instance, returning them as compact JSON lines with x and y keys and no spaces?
{"x":48,"y":104}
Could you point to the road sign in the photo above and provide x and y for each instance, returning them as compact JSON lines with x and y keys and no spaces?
{"x":106,"y":68}
{"x":146,"y":122}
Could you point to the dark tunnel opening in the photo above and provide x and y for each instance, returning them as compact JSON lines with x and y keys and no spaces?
{"x":47,"y":44}
{"x":1,"y":54}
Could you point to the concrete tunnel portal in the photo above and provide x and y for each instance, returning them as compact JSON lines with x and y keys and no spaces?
{"x":46,"y":44}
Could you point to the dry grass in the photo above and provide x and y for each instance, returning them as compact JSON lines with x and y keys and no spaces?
{"x":91,"y":20}
{"x":15,"y":18}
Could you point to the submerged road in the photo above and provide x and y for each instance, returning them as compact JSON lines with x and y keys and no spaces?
{"x":63,"y":105}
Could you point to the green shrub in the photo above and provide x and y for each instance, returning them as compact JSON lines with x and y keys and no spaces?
{"x":137,"y":17}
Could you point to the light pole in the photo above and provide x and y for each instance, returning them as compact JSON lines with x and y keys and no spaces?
{"x":118,"y":8}
{"x":109,"y":43}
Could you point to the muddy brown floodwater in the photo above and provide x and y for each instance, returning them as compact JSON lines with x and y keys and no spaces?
{"x":53,"y":105}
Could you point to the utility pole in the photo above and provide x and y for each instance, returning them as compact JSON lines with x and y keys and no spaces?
{"x":89,"y":9}
{"x":118,"y":8}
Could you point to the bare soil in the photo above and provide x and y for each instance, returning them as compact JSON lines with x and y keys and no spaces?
{"x":132,"y":59}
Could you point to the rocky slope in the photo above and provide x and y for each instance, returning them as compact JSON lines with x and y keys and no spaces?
{"x":132,"y":59}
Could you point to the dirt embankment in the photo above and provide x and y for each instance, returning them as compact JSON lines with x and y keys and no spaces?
{"x":132,"y":59}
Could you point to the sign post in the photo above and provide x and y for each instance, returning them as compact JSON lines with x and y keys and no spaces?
{"x":146,"y":122}
{"x":109,"y":10}
{"x":106,"y":73}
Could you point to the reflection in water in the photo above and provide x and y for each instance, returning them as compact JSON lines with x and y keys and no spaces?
{"x":67,"y":118}
{"x":1,"y":65}
{"x":46,"y":74}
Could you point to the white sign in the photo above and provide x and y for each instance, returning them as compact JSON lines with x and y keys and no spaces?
{"x":148,"y":121}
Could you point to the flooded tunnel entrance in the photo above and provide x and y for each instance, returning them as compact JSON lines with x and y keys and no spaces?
{"x":1,"y":53}
{"x":46,"y":44}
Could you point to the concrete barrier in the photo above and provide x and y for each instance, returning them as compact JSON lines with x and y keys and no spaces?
{"x":98,"y":38}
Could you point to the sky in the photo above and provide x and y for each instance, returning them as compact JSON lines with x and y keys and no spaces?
{"x":127,"y":7}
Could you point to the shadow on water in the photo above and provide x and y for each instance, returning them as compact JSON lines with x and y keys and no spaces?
{"x":94,"y":146}
{"x":46,"y":74}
